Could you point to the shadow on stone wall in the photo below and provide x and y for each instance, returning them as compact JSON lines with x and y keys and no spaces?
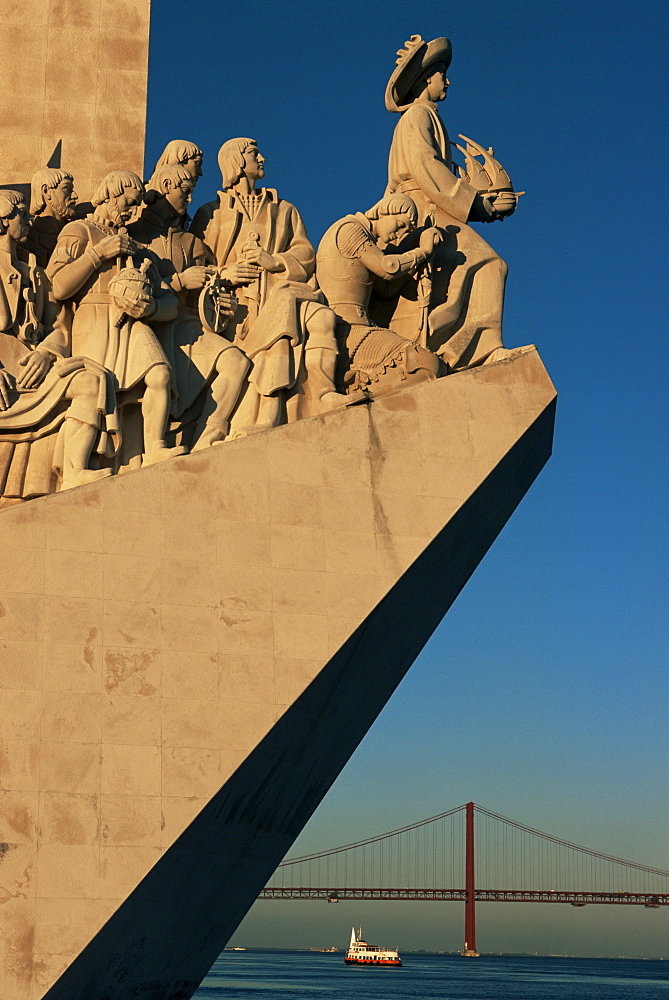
{"x":164,"y":938}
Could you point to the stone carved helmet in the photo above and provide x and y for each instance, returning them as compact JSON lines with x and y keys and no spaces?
{"x":414,"y":60}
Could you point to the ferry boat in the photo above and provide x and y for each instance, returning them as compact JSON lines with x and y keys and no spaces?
{"x":361,"y":953}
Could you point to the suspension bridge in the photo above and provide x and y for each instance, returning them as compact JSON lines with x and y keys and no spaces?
{"x":472,"y":855}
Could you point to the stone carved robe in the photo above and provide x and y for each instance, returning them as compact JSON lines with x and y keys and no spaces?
{"x":30,"y":443}
{"x":42,"y":239}
{"x":128,"y":351}
{"x":272,"y":338}
{"x":468,"y":277}
{"x":192,"y":352}
{"x":226,"y":226}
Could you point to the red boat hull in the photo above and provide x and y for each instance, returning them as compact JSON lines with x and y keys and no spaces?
{"x":371,"y":961}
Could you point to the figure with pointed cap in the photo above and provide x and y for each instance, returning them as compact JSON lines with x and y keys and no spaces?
{"x":467,"y":276}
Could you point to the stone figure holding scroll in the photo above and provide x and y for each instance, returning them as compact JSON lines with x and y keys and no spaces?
{"x":282,"y":323}
{"x":208,"y":369}
{"x":108,"y":289}
{"x":53,"y":202}
{"x":54,"y":408}
{"x":466,"y":294}
{"x":354,"y":254}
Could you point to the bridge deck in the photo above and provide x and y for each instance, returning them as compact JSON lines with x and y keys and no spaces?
{"x":651,"y":900}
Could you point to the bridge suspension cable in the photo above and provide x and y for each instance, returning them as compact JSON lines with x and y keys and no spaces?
{"x":428,"y":860}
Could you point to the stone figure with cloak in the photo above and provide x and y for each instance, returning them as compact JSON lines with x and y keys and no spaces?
{"x":455,"y":305}
{"x":108,"y":289}
{"x":282,"y":323}
{"x":56,"y":411}
{"x":208,"y":370}
{"x":53,"y":202}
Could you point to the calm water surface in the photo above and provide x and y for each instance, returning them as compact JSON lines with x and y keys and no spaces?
{"x":253,"y":975}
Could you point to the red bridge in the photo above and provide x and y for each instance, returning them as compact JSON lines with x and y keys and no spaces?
{"x":419,"y":861}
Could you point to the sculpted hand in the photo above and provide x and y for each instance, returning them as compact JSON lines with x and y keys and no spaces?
{"x":6,"y":385}
{"x":241,"y":273}
{"x":115,"y":246}
{"x":429,"y":239}
{"x":227,"y":303}
{"x":195,"y":277}
{"x":141,"y":307}
{"x":505,"y":203}
{"x":264,"y":259}
{"x":36,"y":365}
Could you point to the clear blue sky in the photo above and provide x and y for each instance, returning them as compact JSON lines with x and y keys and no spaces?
{"x":542,"y":694}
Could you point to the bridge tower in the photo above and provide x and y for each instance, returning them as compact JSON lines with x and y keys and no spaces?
{"x":469,"y":950}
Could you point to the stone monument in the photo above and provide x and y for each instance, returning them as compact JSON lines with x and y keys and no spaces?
{"x":88,"y":119}
{"x":287,"y":465}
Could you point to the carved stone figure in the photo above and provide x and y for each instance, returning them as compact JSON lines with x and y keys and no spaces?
{"x":208,"y":369}
{"x":54,"y":408}
{"x":184,"y":153}
{"x":53,"y":202}
{"x":466,"y":296}
{"x":107,"y":303}
{"x":350,"y":261}
{"x":282,"y":323}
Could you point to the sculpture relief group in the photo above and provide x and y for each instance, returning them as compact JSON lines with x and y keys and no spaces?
{"x":133,"y":335}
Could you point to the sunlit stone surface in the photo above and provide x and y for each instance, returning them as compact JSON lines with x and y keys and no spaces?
{"x":191,"y":652}
{"x":74,"y":80}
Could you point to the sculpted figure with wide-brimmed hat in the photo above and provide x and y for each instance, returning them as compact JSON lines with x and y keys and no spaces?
{"x":462,"y":292}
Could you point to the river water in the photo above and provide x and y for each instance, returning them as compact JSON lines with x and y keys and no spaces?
{"x":261,"y":975}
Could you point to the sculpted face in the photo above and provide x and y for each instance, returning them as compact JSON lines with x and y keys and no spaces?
{"x":438,"y":83}
{"x":393,"y":228}
{"x":121,"y":208}
{"x":194,"y":166}
{"x":254,"y":164}
{"x":18,"y":223}
{"x":179,"y":197}
{"x":61,"y":201}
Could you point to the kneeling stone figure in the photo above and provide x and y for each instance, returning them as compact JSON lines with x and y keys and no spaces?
{"x":350,"y":262}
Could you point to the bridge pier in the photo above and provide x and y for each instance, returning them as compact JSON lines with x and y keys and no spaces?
{"x":469,"y":950}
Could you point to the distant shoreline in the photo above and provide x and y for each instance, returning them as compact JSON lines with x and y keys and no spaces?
{"x":448,"y":954}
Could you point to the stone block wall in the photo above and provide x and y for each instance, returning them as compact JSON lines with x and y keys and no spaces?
{"x":179,"y":647}
{"x":75,"y":72}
